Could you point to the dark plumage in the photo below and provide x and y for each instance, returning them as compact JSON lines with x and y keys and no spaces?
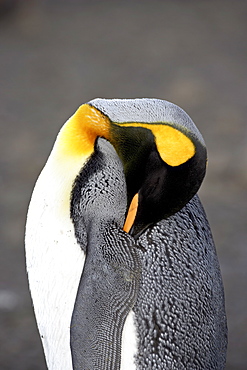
{"x":180,"y":312}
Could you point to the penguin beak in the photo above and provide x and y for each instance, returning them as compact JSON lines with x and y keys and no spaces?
{"x":131,"y":215}
{"x":129,"y":226}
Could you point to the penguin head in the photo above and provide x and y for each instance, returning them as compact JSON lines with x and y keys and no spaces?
{"x":163,"y":154}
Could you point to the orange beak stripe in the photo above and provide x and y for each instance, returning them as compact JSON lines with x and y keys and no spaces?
{"x":131,"y":214}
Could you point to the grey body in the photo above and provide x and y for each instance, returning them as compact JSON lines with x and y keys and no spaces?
{"x":180,"y":310}
{"x":111,"y":274}
{"x":178,"y":303}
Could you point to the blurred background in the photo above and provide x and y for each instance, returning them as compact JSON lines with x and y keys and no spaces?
{"x":56,"y":55}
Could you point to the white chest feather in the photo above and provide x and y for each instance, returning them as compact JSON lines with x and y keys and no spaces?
{"x":129,"y":344}
{"x":54,"y":264}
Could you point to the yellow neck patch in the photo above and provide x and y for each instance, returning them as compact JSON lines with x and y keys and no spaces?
{"x":174,"y":147}
{"x":78,"y":135}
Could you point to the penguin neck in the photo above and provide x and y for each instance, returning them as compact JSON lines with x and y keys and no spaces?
{"x":107,"y":292}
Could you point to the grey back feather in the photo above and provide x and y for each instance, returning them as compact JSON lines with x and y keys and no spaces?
{"x":180,"y":312}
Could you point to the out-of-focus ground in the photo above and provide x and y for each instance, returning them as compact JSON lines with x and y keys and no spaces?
{"x":55,"y":55}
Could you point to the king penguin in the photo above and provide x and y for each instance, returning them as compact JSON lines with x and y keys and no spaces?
{"x":121,"y":263}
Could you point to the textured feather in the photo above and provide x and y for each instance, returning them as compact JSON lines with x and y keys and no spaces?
{"x":110,"y":279}
{"x":180,"y":313}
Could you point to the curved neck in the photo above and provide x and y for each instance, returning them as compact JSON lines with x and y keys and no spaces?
{"x":106,"y":294}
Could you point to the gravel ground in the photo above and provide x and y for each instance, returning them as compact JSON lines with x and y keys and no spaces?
{"x":56,"y":55}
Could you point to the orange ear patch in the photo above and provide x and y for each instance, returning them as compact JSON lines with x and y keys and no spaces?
{"x":131,"y":214}
{"x":78,"y":135}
